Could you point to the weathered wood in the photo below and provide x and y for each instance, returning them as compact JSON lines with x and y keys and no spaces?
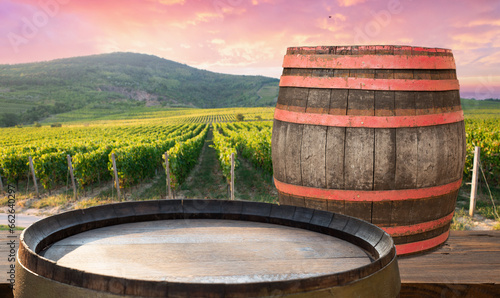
{"x":200,"y":254}
{"x":167,"y":171}
{"x":404,"y":103}
{"x":338,"y":101}
{"x":381,"y":213}
{"x":72,"y":176}
{"x":313,"y":156}
{"x":424,"y":103}
{"x":384,"y":103}
{"x":385,"y":159}
{"x":318,"y":101}
{"x":361,"y":210}
{"x":115,"y":171}
{"x":361,"y":103}
{"x":335,"y":141}
{"x":232,"y":176}
{"x":298,"y":99}
{"x":429,"y":147}
{"x":337,"y":206}
{"x":318,"y":204}
{"x":32,"y":167}
{"x":358,"y":164}
{"x":406,"y":158}
{"x":468,"y":265}
{"x":206,"y":250}
{"x":278,"y":150}
{"x":292,"y":154}
{"x":475,"y":172}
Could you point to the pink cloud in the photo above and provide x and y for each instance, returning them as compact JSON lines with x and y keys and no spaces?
{"x":248,"y":35}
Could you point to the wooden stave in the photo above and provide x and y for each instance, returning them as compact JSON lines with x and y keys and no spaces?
{"x":54,"y":228}
{"x":368,"y":103}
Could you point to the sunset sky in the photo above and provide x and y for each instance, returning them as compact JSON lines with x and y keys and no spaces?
{"x":251,"y":36}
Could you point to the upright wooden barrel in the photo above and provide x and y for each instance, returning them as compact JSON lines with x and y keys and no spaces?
{"x":205,"y":248}
{"x":374,"y":132}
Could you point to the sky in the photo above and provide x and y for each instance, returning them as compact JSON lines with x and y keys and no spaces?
{"x":251,"y":36}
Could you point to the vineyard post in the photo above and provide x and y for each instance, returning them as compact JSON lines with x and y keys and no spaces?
{"x":167,"y":168}
{"x":232,"y":176}
{"x":117,"y":183}
{"x":473,"y":190}
{"x":70,"y":167}
{"x":34,"y":176}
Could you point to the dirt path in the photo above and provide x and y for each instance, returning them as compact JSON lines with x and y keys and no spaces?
{"x":206,"y":180}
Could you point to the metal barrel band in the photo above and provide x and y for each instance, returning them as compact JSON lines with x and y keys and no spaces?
{"x":368,"y":121}
{"x":365,"y":195}
{"x":369,"y":62}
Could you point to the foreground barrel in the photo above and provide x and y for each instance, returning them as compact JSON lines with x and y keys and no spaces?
{"x":205,"y":248}
{"x":374,"y":132}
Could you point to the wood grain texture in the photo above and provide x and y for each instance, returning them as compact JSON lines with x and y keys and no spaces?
{"x":210,"y":251}
{"x":468,"y":265}
{"x":335,"y":157}
{"x":292,"y":153}
{"x":312,"y":156}
{"x":361,"y":103}
{"x":384,"y":103}
{"x":338,"y":101}
{"x":358,"y":164}
{"x":385,"y":159}
{"x":406,"y":158}
{"x":278,"y":149}
{"x":428,"y":153}
{"x":318,"y":101}
{"x":404,"y":103}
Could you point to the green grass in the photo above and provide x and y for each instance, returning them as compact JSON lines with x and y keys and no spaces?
{"x":6,"y":228}
{"x":461,"y":221}
{"x":484,"y":207}
{"x":253,"y":185}
{"x":51,"y":201}
{"x":207,"y":181}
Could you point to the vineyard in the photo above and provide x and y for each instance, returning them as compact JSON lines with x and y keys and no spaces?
{"x":251,"y":140}
{"x":138,"y":150}
{"x":140,"y":141}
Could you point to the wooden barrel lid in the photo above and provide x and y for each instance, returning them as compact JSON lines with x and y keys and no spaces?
{"x":194,"y":247}
{"x":206,"y":251}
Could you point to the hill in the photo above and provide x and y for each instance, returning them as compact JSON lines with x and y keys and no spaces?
{"x":34,"y":91}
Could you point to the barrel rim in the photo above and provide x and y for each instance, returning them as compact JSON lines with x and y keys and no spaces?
{"x":380,"y":49}
{"x":43,"y":233}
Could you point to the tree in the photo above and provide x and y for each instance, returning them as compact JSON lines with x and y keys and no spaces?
{"x":240,"y":117}
{"x":9,"y":120}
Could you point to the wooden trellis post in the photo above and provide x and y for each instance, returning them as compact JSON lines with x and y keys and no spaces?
{"x":232,"y":176}
{"x":34,"y":176}
{"x":473,"y":189}
{"x":167,"y":169}
{"x":117,"y":183}
{"x":70,"y":167}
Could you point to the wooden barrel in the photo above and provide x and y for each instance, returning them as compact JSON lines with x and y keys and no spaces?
{"x":374,"y":132}
{"x":205,"y":248}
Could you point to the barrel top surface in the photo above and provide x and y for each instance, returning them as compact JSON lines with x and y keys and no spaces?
{"x":206,"y":251}
{"x":188,"y":247}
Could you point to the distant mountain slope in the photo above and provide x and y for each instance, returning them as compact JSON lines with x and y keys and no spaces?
{"x":37,"y":90}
